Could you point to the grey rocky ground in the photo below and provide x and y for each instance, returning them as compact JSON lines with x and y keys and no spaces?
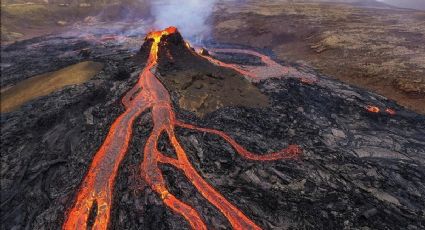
{"x":359,"y":170}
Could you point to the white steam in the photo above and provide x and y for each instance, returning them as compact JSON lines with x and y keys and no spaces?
{"x":189,"y":16}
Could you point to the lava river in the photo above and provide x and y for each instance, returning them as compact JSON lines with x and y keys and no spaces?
{"x":96,"y":190}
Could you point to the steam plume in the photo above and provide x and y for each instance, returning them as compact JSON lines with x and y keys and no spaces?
{"x":190,"y":16}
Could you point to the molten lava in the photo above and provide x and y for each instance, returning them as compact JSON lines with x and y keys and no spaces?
{"x":271,"y":69}
{"x":96,"y":190}
{"x":390,"y":111}
{"x":373,"y":109}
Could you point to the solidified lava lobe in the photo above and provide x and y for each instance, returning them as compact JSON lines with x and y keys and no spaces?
{"x":96,"y":190}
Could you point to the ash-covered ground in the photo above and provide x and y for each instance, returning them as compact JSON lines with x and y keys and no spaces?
{"x":358,"y":170}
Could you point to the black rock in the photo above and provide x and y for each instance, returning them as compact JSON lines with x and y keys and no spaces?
{"x":358,"y":170}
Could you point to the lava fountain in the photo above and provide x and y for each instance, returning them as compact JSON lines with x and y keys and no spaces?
{"x":96,"y":190}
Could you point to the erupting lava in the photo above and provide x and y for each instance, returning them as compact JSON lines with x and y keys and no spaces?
{"x":96,"y":191}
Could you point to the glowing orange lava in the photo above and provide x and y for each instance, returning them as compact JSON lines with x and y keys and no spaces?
{"x":271,"y":69}
{"x":97,"y":186}
{"x":373,"y":109}
{"x":390,"y":111}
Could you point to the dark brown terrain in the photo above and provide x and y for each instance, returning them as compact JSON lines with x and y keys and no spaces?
{"x":377,"y":47}
{"x":369,"y":44}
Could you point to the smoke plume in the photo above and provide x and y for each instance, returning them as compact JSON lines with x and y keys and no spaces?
{"x":190,"y":16}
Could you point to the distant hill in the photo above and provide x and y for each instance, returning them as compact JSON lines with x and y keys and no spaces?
{"x":362,"y":3}
{"x":413,"y":4}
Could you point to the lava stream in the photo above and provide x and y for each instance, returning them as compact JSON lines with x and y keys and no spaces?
{"x":97,"y":186}
{"x":271,"y":69}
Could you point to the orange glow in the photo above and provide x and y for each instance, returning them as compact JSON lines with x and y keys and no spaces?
{"x":110,"y":38}
{"x":307,"y":81}
{"x":292,"y":151}
{"x":373,"y":109}
{"x":97,"y":185}
{"x":390,"y":111}
{"x":271,"y":69}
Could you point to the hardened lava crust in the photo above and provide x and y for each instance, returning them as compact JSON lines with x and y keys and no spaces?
{"x":360,"y":167}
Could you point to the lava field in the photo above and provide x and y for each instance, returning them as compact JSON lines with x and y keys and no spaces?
{"x":175,"y":137}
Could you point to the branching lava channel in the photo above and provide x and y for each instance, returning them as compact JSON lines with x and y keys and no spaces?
{"x":97,"y":185}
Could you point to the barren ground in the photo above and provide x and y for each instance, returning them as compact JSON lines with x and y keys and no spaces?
{"x":358,"y":169}
{"x":44,"y":84}
{"x":381,"y":49}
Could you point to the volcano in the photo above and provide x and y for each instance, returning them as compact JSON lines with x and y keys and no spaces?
{"x":176,"y":137}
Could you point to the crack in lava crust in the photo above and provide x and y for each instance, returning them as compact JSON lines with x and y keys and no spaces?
{"x":97,"y":186}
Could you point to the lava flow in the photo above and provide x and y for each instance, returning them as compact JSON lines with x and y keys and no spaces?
{"x":96,"y":191}
{"x":373,"y":109}
{"x":271,"y":69}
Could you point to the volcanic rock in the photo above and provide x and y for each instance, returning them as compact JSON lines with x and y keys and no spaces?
{"x":200,"y":86}
{"x":204,"y":52}
{"x":358,"y":170}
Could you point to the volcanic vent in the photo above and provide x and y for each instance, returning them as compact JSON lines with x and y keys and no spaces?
{"x":200,"y":86}
{"x":96,"y":192}
{"x":179,"y":138}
